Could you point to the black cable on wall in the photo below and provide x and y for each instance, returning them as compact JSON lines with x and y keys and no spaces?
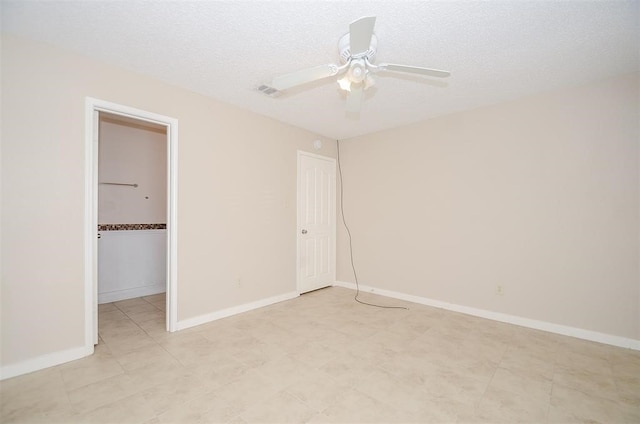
{"x":344,"y":222}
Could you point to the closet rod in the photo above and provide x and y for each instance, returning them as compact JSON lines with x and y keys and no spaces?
{"x":121,"y":184}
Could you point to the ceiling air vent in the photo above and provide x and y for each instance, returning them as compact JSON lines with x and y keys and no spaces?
{"x":267,"y":90}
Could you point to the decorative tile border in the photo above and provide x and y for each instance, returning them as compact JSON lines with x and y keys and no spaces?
{"x":131,"y":227}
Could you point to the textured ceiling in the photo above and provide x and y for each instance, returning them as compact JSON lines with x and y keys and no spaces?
{"x":495,"y":50}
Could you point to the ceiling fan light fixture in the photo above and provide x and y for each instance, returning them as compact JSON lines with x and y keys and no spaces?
{"x":357,"y":70}
{"x":345,"y":83}
{"x":369,"y":82}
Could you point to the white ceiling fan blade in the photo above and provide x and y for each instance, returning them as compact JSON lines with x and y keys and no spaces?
{"x":360,"y":32}
{"x":413,"y":70}
{"x":354,"y":98}
{"x":304,"y":76}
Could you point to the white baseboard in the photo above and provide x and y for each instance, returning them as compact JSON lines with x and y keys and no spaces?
{"x":57,"y":358}
{"x":224,"y":313}
{"x":510,"y":319}
{"x":116,"y":295}
{"x":44,"y":361}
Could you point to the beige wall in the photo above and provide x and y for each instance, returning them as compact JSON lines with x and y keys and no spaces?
{"x":540,"y":196}
{"x":132,"y":154}
{"x":236,"y":195}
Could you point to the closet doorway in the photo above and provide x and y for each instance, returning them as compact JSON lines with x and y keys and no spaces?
{"x":130,"y":209}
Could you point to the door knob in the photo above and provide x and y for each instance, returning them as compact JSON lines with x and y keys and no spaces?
{"x":304,"y":231}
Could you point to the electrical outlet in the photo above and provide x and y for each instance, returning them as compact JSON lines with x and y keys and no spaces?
{"x":238,"y":281}
{"x":499,"y":290}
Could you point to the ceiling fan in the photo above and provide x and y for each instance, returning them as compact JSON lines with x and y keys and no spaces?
{"x":357,"y":53}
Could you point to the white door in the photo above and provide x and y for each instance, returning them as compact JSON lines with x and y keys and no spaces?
{"x":316,"y":221}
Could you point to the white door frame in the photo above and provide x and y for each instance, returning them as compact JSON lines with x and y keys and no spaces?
{"x":92,"y":108}
{"x":298,"y":225}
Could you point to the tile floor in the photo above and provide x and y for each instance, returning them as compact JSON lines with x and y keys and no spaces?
{"x":324,"y":358}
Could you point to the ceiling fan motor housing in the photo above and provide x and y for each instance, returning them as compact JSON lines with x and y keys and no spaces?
{"x":345,"y":49}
